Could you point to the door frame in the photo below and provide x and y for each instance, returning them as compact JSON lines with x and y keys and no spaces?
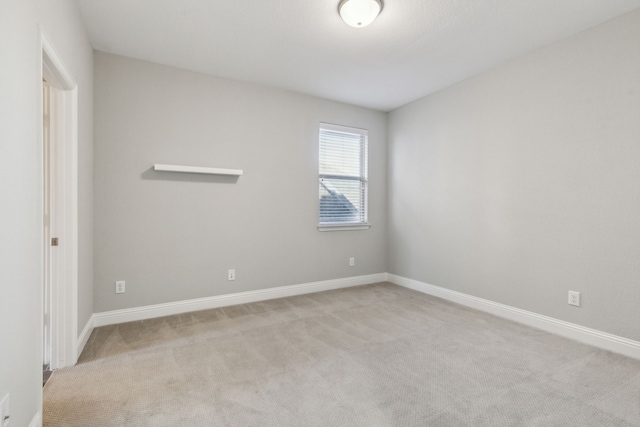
{"x":63,"y":320}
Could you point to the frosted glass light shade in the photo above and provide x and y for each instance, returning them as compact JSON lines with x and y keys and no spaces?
{"x":359,"y":13}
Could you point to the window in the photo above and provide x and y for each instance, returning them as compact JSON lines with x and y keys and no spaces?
{"x":342,"y":178}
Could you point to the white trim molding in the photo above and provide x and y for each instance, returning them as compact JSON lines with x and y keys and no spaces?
{"x":168,"y":309}
{"x":603,"y":340}
{"x":85,"y":334}
{"x":36,"y":421}
{"x":348,"y":227}
{"x":578,"y":333}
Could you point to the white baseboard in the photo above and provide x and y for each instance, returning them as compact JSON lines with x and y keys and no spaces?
{"x":36,"y":421}
{"x":85,"y":334}
{"x":579,"y":333}
{"x":572,"y":331}
{"x":159,"y":310}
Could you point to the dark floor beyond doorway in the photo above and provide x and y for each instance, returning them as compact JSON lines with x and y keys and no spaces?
{"x":46,"y":374}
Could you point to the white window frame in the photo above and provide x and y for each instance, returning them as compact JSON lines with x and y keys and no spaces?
{"x":363,"y":178}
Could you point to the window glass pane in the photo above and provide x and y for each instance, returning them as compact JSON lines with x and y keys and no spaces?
{"x":340,"y":153}
{"x":342,"y":175}
{"x":341,"y":200}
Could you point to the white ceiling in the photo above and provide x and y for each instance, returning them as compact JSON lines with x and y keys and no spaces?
{"x":414,"y":48}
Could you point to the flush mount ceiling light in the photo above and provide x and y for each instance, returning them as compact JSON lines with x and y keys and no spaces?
{"x":359,"y":13}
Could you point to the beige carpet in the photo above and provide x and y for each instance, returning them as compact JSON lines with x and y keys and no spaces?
{"x":377,"y":355}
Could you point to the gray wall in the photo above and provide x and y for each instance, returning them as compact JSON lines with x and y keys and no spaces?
{"x":524,"y":182}
{"x":21,"y":188}
{"x":173,"y":237}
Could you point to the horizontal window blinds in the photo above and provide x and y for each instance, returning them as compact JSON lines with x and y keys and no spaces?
{"x":343,"y":175}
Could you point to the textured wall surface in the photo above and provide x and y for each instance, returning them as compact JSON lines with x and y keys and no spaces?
{"x":21,"y":188}
{"x":523,"y":183}
{"x":174,"y":236}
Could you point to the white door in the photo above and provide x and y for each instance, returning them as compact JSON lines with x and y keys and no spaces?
{"x":46,"y":360}
{"x":46,"y":216}
{"x":54,"y":298}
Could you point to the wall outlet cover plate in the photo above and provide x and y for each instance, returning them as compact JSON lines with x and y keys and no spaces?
{"x":574,"y":298}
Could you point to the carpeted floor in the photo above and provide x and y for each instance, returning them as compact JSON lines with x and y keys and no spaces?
{"x":376,"y":355}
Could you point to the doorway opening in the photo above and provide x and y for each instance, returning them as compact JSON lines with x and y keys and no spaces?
{"x":60,"y":211}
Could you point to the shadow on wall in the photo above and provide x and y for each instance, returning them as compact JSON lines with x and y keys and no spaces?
{"x":154,"y":175}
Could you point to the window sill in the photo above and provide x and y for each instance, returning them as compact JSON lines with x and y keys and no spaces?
{"x":343,"y":227}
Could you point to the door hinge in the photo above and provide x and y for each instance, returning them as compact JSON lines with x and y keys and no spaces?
{"x":54,"y":241}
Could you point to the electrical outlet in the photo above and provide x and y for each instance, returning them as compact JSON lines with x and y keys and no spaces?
{"x":352,"y":262}
{"x":574,"y":298}
{"x":4,"y":411}
{"x":231,"y":275}
{"x":120,"y":285}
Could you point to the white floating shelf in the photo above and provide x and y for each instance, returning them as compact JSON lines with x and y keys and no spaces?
{"x":197,"y":169}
